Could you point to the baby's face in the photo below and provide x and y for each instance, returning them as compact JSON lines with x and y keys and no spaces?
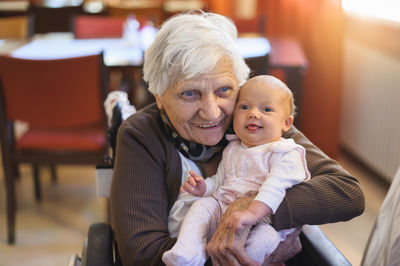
{"x":262,"y":112}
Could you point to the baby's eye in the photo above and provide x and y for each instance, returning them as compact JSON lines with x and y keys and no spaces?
{"x":244,"y":107}
{"x":267,"y":109}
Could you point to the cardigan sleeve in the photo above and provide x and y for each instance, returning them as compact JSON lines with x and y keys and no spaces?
{"x":140,"y":194}
{"x":332,"y":194}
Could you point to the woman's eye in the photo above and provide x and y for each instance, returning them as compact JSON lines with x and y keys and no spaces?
{"x":267,"y":109}
{"x":244,"y":107}
{"x":223,"y":91}
{"x":190,"y":94}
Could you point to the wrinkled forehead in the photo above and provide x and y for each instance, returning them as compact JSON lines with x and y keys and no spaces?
{"x":221,"y":74}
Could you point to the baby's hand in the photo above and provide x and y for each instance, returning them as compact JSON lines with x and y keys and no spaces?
{"x":194,"y":185}
{"x":240,"y":219}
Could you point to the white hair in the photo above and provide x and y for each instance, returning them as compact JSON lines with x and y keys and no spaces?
{"x":189,"y":45}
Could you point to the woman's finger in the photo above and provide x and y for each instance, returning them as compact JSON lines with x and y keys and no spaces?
{"x":218,"y":247}
{"x":236,"y":247}
{"x":215,"y":260}
{"x":213,"y":251}
{"x":229,"y":249}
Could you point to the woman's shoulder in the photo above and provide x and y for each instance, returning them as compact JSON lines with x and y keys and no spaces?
{"x":145,"y":125}
{"x":145,"y":120}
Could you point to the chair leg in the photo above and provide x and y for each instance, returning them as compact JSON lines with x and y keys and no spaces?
{"x":16,"y":171}
{"x":53,"y":171}
{"x":36,"y":180}
{"x":11,"y":202}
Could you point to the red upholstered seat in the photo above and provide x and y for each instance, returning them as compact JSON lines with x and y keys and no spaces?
{"x":76,"y":139}
{"x":61,"y":101}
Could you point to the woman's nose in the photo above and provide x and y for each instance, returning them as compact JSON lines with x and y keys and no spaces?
{"x":210,"y":109}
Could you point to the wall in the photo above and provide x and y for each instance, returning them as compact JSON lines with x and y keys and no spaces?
{"x":318,"y":25}
{"x":370,"y":124}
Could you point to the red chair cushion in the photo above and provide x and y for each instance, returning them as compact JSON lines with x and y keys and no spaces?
{"x":77,"y":139}
{"x":98,"y":27}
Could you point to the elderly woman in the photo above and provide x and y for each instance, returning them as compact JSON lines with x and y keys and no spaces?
{"x":194,"y":70}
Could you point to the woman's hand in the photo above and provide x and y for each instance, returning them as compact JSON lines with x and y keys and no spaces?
{"x":256,"y":211}
{"x":240,"y":219}
{"x":194,"y":185}
{"x":226,"y":247}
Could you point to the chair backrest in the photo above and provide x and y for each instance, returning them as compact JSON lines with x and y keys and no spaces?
{"x":98,"y":27}
{"x":18,"y":27}
{"x":151,"y":11}
{"x":53,"y":19}
{"x":59,"y":93}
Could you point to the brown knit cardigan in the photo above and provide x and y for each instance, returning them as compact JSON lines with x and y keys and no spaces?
{"x":147,"y":176}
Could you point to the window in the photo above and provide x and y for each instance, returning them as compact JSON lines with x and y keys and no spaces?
{"x":383,"y":9}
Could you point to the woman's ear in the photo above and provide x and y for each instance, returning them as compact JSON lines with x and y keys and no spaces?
{"x":158,"y":101}
{"x":288,"y":123}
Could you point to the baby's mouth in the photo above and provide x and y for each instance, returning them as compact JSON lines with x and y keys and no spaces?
{"x":253,"y":127}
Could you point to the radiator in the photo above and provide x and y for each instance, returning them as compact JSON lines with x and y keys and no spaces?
{"x":370,"y":115}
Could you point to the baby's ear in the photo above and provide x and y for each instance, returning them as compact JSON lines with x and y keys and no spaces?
{"x":288,"y":123}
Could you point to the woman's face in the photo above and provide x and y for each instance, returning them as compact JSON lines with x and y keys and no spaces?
{"x":201,"y":108}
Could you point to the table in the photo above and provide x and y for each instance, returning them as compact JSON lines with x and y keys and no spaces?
{"x":117,"y":52}
{"x":119,"y":55}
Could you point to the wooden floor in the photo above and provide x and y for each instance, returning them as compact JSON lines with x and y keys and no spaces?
{"x":48,"y":233}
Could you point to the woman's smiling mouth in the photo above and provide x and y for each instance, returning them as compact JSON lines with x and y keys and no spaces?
{"x":213,"y":125}
{"x":208,"y":124}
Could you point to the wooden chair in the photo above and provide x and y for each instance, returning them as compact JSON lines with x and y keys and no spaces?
{"x":111,"y":26}
{"x":62,"y":101}
{"x":85,"y":27}
{"x":89,"y":26}
{"x":18,"y":27}
{"x":53,"y":19}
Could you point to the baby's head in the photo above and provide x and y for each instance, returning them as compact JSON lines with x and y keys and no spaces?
{"x":264,"y":110}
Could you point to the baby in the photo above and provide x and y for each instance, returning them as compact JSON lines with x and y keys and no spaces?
{"x":256,"y":161}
